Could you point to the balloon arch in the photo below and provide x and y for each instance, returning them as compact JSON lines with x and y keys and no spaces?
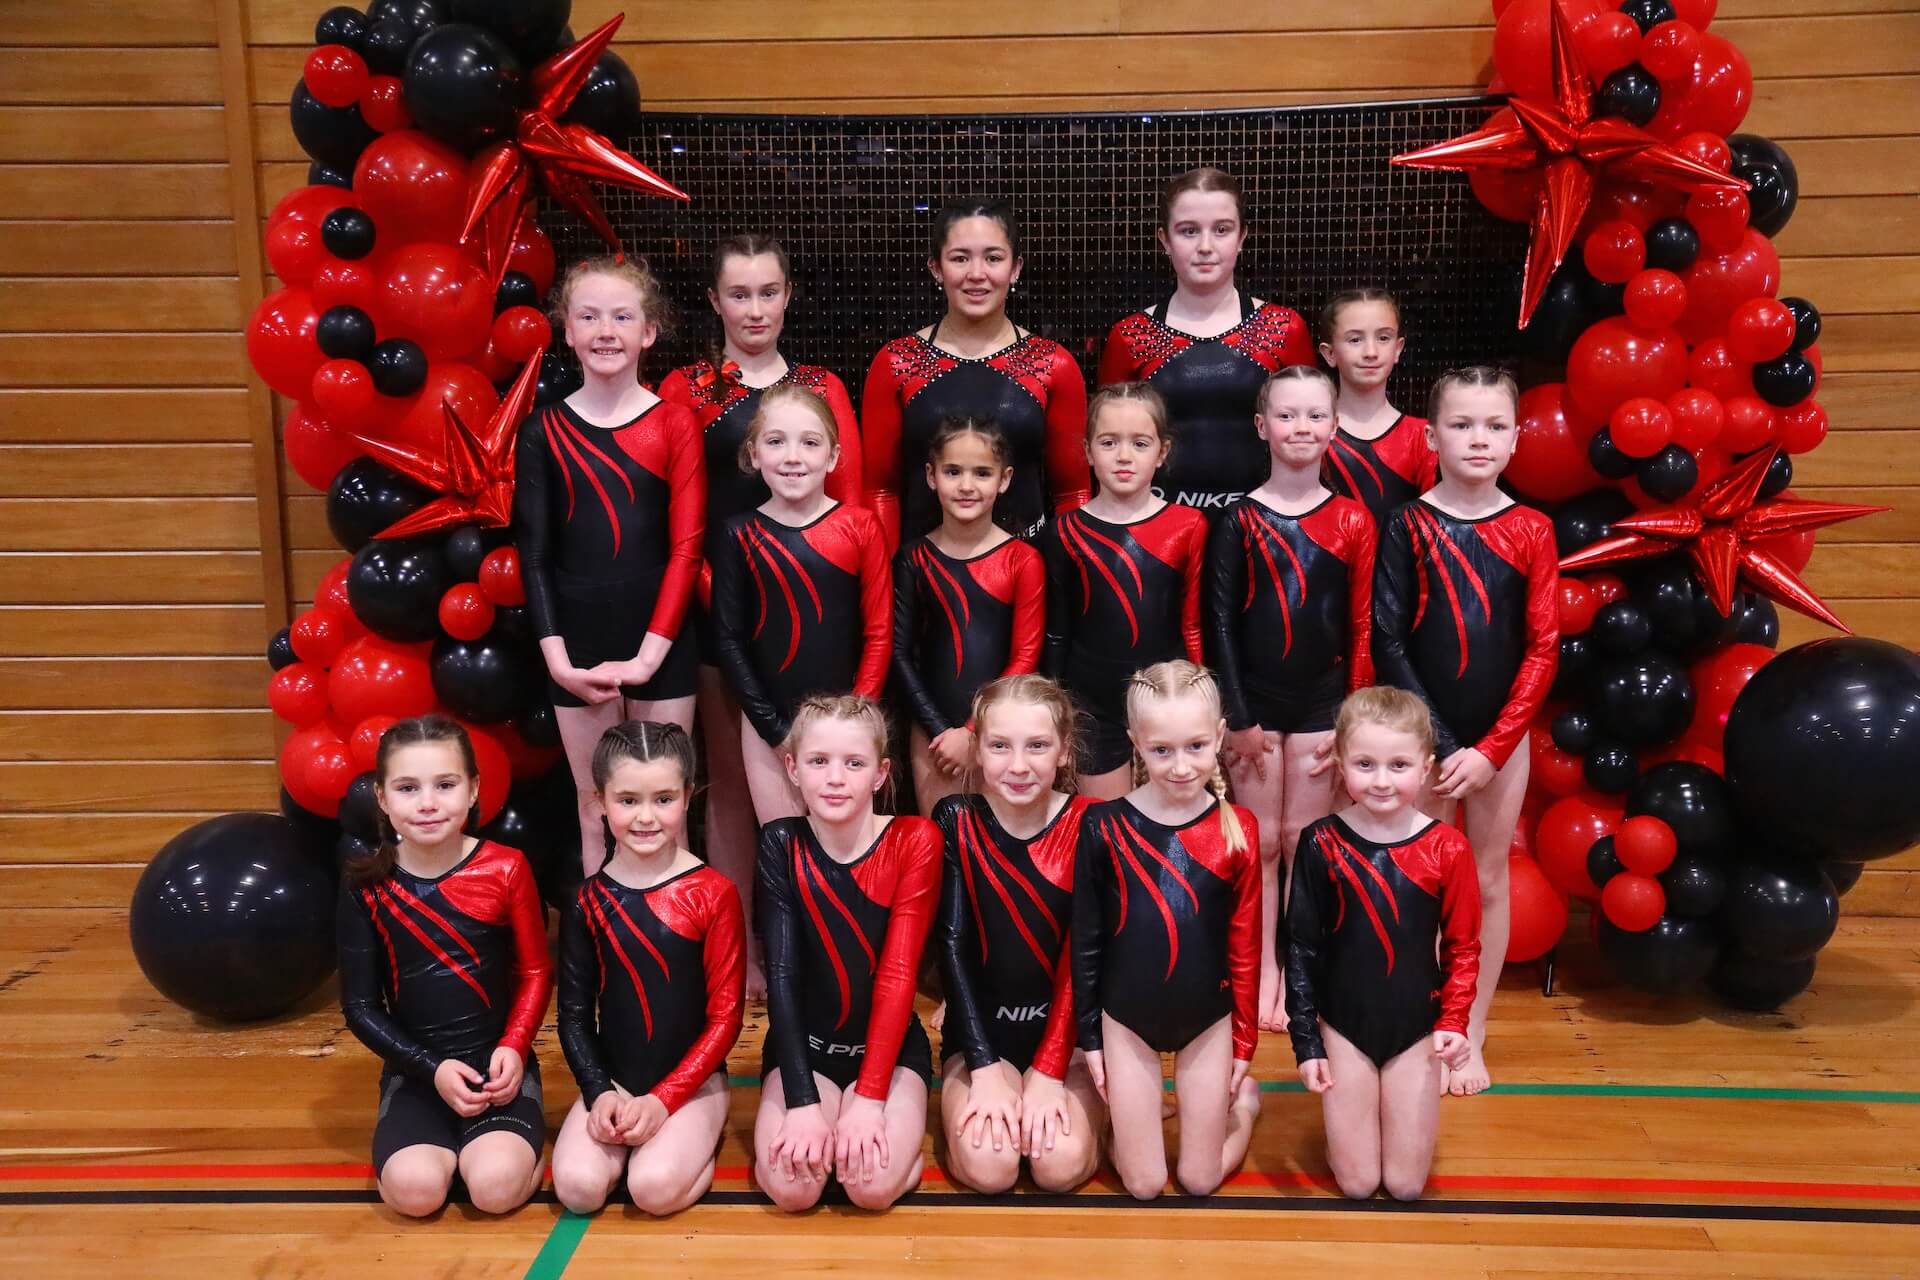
{"x":1711,"y":799}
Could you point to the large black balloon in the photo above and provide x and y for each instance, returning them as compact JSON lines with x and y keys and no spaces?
{"x":348,"y":233}
{"x":1603,"y":861}
{"x":609,"y":102}
{"x":1560,"y":317}
{"x":516,"y":290}
{"x":360,"y":808}
{"x":1673,"y":955}
{"x":395,"y":585}
{"x":399,"y":367}
{"x":320,"y":175}
{"x":385,"y":46}
{"x":1773,"y":184}
{"x":1672,"y":245}
{"x":1806,"y":322}
{"x":232,"y":920}
{"x":1823,"y":749}
{"x":365,"y":497}
{"x":538,"y":725}
{"x":350,"y":848}
{"x":1609,"y":767}
{"x":1756,"y":985}
{"x":1695,"y":884}
{"x":420,"y":16}
{"x":345,"y":333}
{"x":1621,"y":629}
{"x":1668,"y":474}
{"x":483,"y":680}
{"x":1579,"y":522}
{"x":1573,"y":731}
{"x":463,"y":84}
{"x":342,"y":24}
{"x":560,"y":376}
{"x":1631,"y":93}
{"x":1779,"y":476}
{"x":531,"y":28}
{"x":1785,"y":380}
{"x":1845,"y":875}
{"x":1693,"y":800}
{"x":280,"y":652}
{"x":1641,"y":700}
{"x":1684,"y":620}
{"x":1576,"y":664}
{"x":334,"y":136}
{"x":1780,"y":908}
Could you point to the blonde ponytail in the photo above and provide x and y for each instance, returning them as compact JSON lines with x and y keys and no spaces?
{"x":1232,"y":830}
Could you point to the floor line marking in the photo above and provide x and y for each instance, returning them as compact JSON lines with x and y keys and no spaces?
{"x":568,"y":1230}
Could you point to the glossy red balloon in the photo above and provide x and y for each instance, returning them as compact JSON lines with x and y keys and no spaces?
{"x":383,"y":105}
{"x":1559,"y":773}
{"x":1606,"y":587}
{"x":332,"y":593}
{"x":1613,"y":361}
{"x":374,"y":677}
{"x":520,"y":332}
{"x":339,"y":283}
{"x":465,"y":612}
{"x":1633,"y":902}
{"x":500,"y":577}
{"x":1750,"y":425}
{"x":1550,"y":459}
{"x":419,"y":422}
{"x":1695,"y":13}
{"x":1634,"y":203}
{"x":1718,"y":679}
{"x":1506,"y":193}
{"x":1713,"y":367}
{"x":1722,"y":87}
{"x":365,"y":740}
{"x":1669,"y":50}
{"x":330,"y":771}
{"x":281,"y":342}
{"x":1698,"y":417}
{"x":1712,"y":462}
{"x":1717,"y":283}
{"x":1710,"y":149}
{"x":311,"y":203}
{"x":414,"y":187}
{"x":1608,"y":42}
{"x":1645,"y":845}
{"x":1537,"y":912}
{"x":298,"y":693}
{"x":1655,"y":299}
{"x":1802,"y":427}
{"x":1720,"y":216}
{"x":343,"y":393}
{"x":1577,"y":606}
{"x":295,"y":250}
{"x":438,"y":296}
{"x":1615,"y":250}
{"x":315,"y":451}
{"x":1567,"y":830}
{"x":318,"y":636}
{"x":297,"y":754}
{"x":335,"y":75}
{"x":1521,"y":44}
{"x":1760,"y":329}
{"x":1641,"y":427}
{"x":527,"y":761}
{"x":496,"y":770}
{"x":532,"y":256}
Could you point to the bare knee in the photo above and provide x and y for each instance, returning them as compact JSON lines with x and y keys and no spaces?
{"x":1065,"y":1167}
{"x":1405,"y":1184}
{"x":654,"y":1189}
{"x":790,"y":1195}
{"x":580,"y":1190}
{"x":1357,"y":1184}
{"x":983,"y":1168}
{"x":498,"y":1187}
{"x":414,"y":1188}
{"x":1200,"y":1176}
{"x":1144,"y":1184}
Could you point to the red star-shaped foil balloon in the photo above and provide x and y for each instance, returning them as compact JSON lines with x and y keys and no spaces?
{"x":563,"y":155}
{"x":1572,"y":150}
{"x":475,"y":470}
{"x":1718,"y":531}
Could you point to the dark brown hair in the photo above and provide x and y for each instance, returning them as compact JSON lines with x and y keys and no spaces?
{"x":1140,"y":393}
{"x":952,"y":428}
{"x":745,"y":244}
{"x":972,"y":207}
{"x":419,"y":730}
{"x":644,"y":741}
{"x":1204,"y":178}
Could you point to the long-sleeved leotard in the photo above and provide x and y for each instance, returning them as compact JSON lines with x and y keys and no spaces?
{"x":1291,"y":609}
{"x":1465,"y":614}
{"x":609,"y":523}
{"x":1032,"y":390}
{"x":652,"y":984}
{"x":1384,"y":473}
{"x":787,"y":601}
{"x":1166,"y":927}
{"x":1006,"y":924}
{"x":1120,"y":597}
{"x":1360,"y":933}
{"x":1210,"y":385}
{"x":843,"y":945}
{"x":959,"y":623}
{"x":445,"y":968}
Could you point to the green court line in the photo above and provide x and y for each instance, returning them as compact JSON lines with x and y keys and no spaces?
{"x":1741,"y":1092}
{"x":557,"y":1252}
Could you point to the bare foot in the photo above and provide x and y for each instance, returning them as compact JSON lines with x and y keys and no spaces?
{"x":939,"y":1016}
{"x":1472,"y":1078}
{"x":1247,"y":1098}
{"x":1273,"y":1001}
{"x":1169,"y":1104}
{"x":756,"y":979}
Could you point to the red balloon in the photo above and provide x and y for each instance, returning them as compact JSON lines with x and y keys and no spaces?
{"x":300,"y":750}
{"x":1645,"y":845}
{"x":1713,"y":367}
{"x":1537,"y":912}
{"x":1521,"y":45}
{"x":295,"y":250}
{"x":1634,"y":203}
{"x":298,"y":693}
{"x":1712,"y":462}
{"x":465,"y":612}
{"x":332,"y":592}
{"x":281,"y":342}
{"x":438,"y":296}
{"x":1577,"y":606}
{"x":1655,"y":299}
{"x":375,"y":677}
{"x":527,"y":761}
{"x":335,"y":75}
{"x":496,"y":771}
{"x":330,"y":771}
{"x":1606,"y":587}
{"x":414,"y":187}
{"x":1802,"y":427}
{"x":1698,"y":417}
{"x":339,"y":283}
{"x":1567,"y":830}
{"x":310,"y":203}
{"x":1717,"y":283}
{"x":1559,"y":773}
{"x":1641,"y":427}
{"x":1722,"y":87}
{"x":315,"y":451}
{"x":1633,"y":902}
{"x":1506,"y":193}
{"x":419,"y":422}
{"x":1750,"y":424}
{"x":520,"y":332}
{"x":343,"y":392}
{"x":1550,"y":463}
{"x":1608,"y":42}
{"x":1709,"y":149}
{"x":318,"y":636}
{"x":1696,"y":13}
{"x":1760,"y":329}
{"x":1720,"y":215}
{"x":1718,"y":679}
{"x":365,"y":742}
{"x":1669,"y":50}
{"x":1615,"y":250}
{"x":383,"y":105}
{"x":532,"y":256}
{"x":500,"y":577}
{"x":1612,"y":361}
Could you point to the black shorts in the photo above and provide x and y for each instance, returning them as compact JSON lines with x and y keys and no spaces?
{"x":841,"y":1063}
{"x":606,"y":622}
{"x":1104,"y":744}
{"x":1307,"y":708}
{"x":412,"y":1113}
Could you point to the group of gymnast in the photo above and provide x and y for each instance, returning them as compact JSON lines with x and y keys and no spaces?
{"x":1216,"y":692}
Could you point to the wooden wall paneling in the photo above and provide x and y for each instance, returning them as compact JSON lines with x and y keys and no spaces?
{"x":108,"y":77}
{"x":187,"y":683}
{"x":111,"y":135}
{"x":52,"y":736}
{"x":137,"y":577}
{"x":77,"y":849}
{"x":115,"y":360}
{"x":84,"y":631}
{"x":65,"y":415}
{"x":123,"y":249}
{"x":137,"y":191}
{"x":129,"y":524}
{"x":147,"y":24}
{"x":106,"y":303}
{"x":126,"y":470}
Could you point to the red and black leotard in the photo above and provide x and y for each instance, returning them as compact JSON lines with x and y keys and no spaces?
{"x":1210,"y":385}
{"x":1120,"y":597}
{"x":1360,"y":936}
{"x":843,"y":946}
{"x":1466,"y":614}
{"x":609,"y":522}
{"x":1291,"y":610}
{"x":1166,"y":927}
{"x":786,"y":602}
{"x":1031,"y":389}
{"x":652,"y":984}
{"x":1006,"y":921}
{"x":1386,"y":472}
{"x":959,"y":623}
{"x":445,"y":968}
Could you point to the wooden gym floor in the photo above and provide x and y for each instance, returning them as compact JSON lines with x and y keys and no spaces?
{"x":1625,"y":1138}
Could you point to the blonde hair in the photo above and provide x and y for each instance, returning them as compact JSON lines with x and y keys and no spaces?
{"x":1473,"y":375}
{"x":787,"y":393}
{"x":850,"y":707}
{"x":633,"y":271}
{"x":1130,"y":393}
{"x":1388,"y":707}
{"x":1296,"y":373}
{"x":1163,"y":682}
{"x":1034,"y":690}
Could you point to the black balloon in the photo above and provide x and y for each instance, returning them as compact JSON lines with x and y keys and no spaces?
{"x":1693,"y":800}
{"x":335,"y":136}
{"x":531,"y":28}
{"x":1580,"y":522}
{"x":1806,"y":322}
{"x":1845,"y":875}
{"x":483,"y":680}
{"x":1606,"y":457}
{"x":1823,"y":749}
{"x":319,"y":175}
{"x":280,"y":649}
{"x":560,"y":376}
{"x":1758,"y":986}
{"x":1573,"y":731}
{"x":1779,"y":476}
{"x":544,"y":824}
{"x":1603,"y":863}
{"x":342,"y":24}
{"x":345,"y":333}
{"x":513,"y":625}
{"x":1695,"y":884}
{"x":232,"y":920}
{"x":399,"y":367}
{"x":1672,"y":245}
{"x":420,"y":16}
{"x":1779,"y":908}
{"x":516,"y":290}
{"x":609,"y":102}
{"x":463,"y":84}
{"x":1609,"y":767}
{"x":1648,"y":14}
{"x":385,"y":46}
{"x":465,"y":548}
{"x":349,"y":849}
{"x":348,"y":233}
{"x":1621,"y":629}
{"x":1773,"y":184}
{"x":1604,"y":299}
{"x":1668,"y":474}
{"x":366,"y":497}
{"x":538,"y":725}
{"x":395,"y":585}
{"x":1642,"y":700}
{"x":1784,"y":380}
{"x":1685,"y":623}
{"x":314,"y":833}
{"x":1559,"y":318}
{"x":1631,"y":93}
{"x":1755,"y":620}
{"x":1673,"y":955}
{"x":360,"y":808}
{"x":1576,"y":664}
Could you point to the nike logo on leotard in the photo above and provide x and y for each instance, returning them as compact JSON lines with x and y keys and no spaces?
{"x":1022,"y":1013}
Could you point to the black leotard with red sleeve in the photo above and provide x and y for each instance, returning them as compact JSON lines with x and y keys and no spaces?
{"x":652,"y":984}
{"x":1006,"y":925}
{"x":1291,"y":610}
{"x":843,"y":946}
{"x":800,"y":610}
{"x":451,"y":967}
{"x":1031,"y":389}
{"x":1362,"y":922}
{"x":1466,"y":614}
{"x":959,"y":623}
{"x":1166,"y":927}
{"x":1210,"y":385}
{"x":1386,"y":472}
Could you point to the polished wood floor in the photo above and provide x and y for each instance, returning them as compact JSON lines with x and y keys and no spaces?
{"x":1627,"y":1137}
